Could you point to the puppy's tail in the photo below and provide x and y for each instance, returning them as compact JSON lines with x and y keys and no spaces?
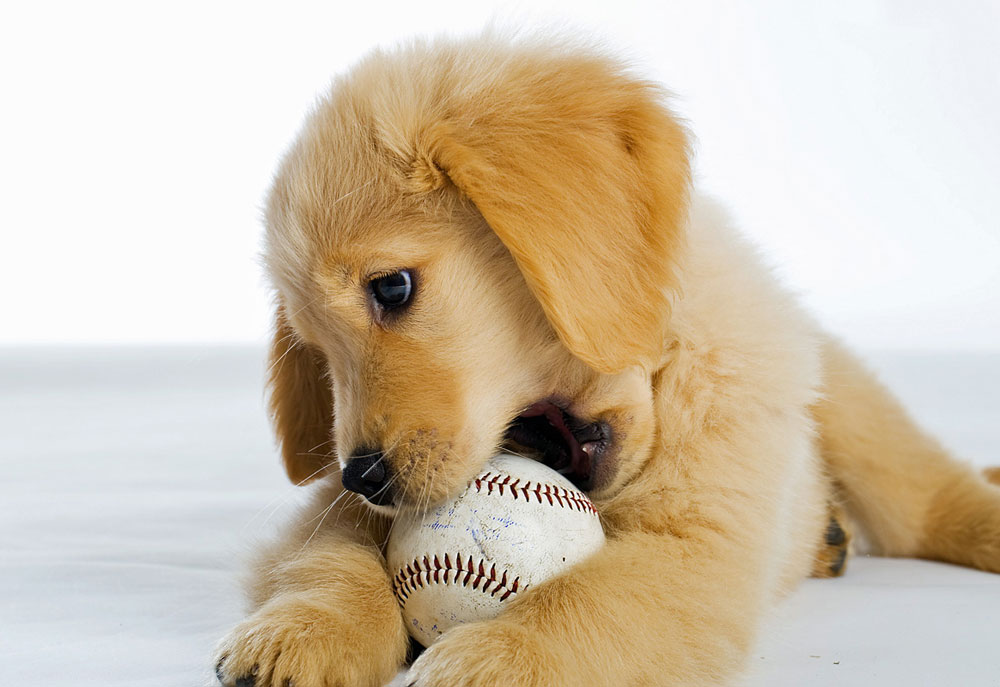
{"x":910,"y":496}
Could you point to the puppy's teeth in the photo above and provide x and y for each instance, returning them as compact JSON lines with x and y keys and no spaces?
{"x":590,"y":448}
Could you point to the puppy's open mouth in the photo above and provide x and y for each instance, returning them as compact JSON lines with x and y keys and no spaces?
{"x":567,"y":444}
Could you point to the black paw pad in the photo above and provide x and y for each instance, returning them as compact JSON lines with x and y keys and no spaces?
{"x":835,"y":535}
{"x":245,"y":681}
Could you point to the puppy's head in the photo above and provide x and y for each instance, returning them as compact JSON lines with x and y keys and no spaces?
{"x":473,"y":247}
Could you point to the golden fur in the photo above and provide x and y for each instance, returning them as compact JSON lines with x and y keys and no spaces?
{"x":540,"y":193}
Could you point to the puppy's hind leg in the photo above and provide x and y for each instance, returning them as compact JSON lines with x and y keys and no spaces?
{"x":992,"y":475}
{"x":910,"y":496}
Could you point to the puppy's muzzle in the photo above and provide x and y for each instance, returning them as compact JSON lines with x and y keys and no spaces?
{"x":367,"y":473}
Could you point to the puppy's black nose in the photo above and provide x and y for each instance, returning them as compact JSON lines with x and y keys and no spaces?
{"x":367,"y":474}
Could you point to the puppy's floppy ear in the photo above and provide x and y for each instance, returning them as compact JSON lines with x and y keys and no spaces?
{"x":301,"y":404}
{"x":583,"y":174}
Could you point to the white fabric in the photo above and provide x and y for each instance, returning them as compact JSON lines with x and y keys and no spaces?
{"x":135,"y":482}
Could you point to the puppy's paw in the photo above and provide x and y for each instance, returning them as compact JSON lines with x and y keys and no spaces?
{"x":299,"y":643}
{"x":831,"y":557}
{"x":490,"y":654}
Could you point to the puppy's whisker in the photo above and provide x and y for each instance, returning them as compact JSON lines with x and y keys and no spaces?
{"x":321,"y":444}
{"x":358,"y":501}
{"x":290,"y":347}
{"x":277,"y":343}
{"x":352,"y":192}
{"x":303,"y":307}
{"x":281,"y":358}
{"x":315,"y":472}
{"x":392,"y":523}
{"x":396,"y":477}
{"x":322,"y":517}
{"x":368,"y":455}
{"x":276,"y":503}
{"x":326,"y":511}
{"x":515,"y":453}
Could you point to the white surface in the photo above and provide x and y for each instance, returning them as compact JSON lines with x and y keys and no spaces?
{"x":134,"y":482}
{"x":855,"y":140}
{"x":519,"y":520}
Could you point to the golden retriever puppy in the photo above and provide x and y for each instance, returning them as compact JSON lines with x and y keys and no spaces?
{"x":492,"y":243}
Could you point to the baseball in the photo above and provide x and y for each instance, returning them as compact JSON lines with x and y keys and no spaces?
{"x":516,"y":524}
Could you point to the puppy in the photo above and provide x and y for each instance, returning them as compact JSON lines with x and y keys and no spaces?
{"x":468,"y":237}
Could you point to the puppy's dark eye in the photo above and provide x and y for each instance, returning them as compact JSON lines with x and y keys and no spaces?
{"x":392,"y":290}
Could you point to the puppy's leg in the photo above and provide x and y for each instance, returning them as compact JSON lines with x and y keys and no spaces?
{"x":673,"y":599}
{"x":992,"y":475}
{"x":324,"y":612}
{"x":646,"y":610}
{"x":908,"y":493}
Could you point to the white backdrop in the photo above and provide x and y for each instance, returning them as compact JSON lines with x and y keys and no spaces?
{"x":855,"y":141}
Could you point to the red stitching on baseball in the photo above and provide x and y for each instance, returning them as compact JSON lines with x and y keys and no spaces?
{"x":421,"y":572}
{"x":565,"y":498}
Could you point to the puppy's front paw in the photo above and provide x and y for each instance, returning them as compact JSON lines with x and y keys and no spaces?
{"x":490,"y":654}
{"x":299,"y":643}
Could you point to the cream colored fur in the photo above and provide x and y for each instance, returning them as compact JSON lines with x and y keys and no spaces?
{"x":540,"y":193}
